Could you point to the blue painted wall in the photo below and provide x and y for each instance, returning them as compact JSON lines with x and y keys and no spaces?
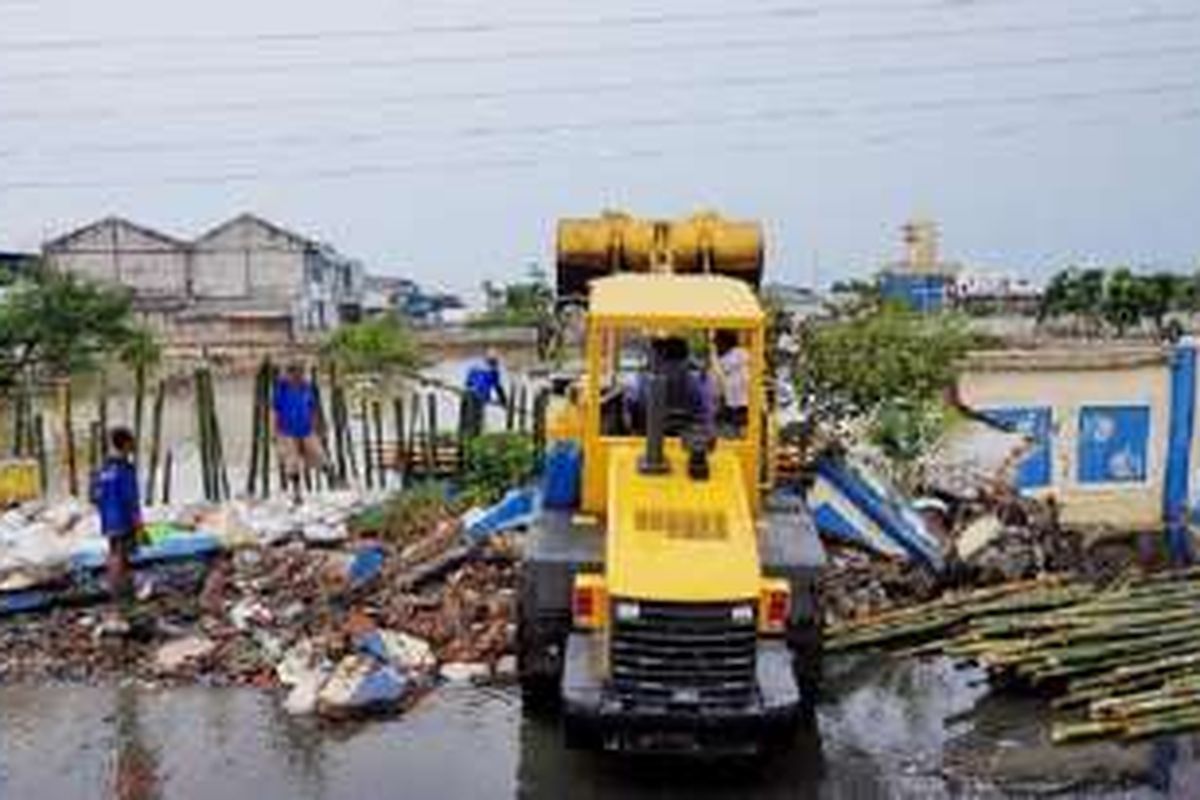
{"x":925,"y":293}
{"x":1112,"y":443}
{"x":1035,"y":422}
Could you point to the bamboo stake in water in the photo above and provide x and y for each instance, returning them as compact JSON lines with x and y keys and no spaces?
{"x":139,"y":404}
{"x":431,"y":435}
{"x":322,"y":427}
{"x":398,"y":423}
{"x":39,"y":427}
{"x":255,"y":432}
{"x":368,"y":462}
{"x":202,"y":437}
{"x":335,"y":412}
{"x":168,"y":469}
{"x":377,"y":416}
{"x":156,"y":425}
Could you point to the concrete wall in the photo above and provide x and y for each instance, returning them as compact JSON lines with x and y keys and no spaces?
{"x":1104,"y":421}
{"x":115,"y":251}
{"x":244,"y":258}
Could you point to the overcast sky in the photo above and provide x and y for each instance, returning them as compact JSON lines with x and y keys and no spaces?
{"x":441,"y":139}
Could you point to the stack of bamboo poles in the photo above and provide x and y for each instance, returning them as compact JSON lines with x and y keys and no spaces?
{"x":1122,"y":662}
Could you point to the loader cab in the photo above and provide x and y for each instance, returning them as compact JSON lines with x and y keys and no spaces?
{"x":638,"y":325}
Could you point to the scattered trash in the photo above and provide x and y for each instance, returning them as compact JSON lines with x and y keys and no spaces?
{"x":359,"y":685}
{"x":264,"y":595}
{"x":180,"y":653}
{"x":462,"y":672}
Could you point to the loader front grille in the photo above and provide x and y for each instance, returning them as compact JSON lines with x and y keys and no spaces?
{"x":683,"y":655}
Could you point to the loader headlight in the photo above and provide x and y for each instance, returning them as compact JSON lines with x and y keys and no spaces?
{"x":742,"y":615}
{"x":626,"y":611}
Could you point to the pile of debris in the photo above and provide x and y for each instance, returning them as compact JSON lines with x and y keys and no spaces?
{"x":324,"y":600}
{"x":967,"y":527}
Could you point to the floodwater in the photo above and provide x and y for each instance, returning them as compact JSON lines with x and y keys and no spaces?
{"x":888,"y":730}
{"x":234,"y":397}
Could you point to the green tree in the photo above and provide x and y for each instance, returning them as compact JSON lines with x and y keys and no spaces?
{"x":59,"y":325}
{"x":525,"y":303}
{"x":1162,"y":293}
{"x":383,"y":347}
{"x":1124,"y":301}
{"x":890,"y":367}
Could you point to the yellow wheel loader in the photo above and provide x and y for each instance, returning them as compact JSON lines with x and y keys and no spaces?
{"x":668,"y":595}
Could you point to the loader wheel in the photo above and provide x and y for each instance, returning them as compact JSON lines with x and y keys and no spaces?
{"x":540,"y":647}
{"x":807,"y":664}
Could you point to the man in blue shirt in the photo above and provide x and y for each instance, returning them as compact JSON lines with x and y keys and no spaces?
{"x":483,"y":382}
{"x":296,"y":411}
{"x":114,"y":491}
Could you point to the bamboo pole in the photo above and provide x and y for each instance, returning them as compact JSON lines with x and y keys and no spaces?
{"x":256,"y":431}
{"x":156,"y":430}
{"x":336,"y":412}
{"x":431,"y":435}
{"x":139,"y":408}
{"x":377,"y":414}
{"x":414,"y":425}
{"x":322,"y":426}
{"x":168,"y":470}
{"x":398,"y":427}
{"x":368,"y":461}
{"x":202,"y":437}
{"x":39,"y":426}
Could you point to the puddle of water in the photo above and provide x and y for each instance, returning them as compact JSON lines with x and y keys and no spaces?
{"x":891,"y":730}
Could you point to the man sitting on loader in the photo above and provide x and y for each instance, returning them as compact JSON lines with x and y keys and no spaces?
{"x":690,"y":396}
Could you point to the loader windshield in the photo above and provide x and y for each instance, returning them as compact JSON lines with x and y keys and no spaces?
{"x":706,"y":392}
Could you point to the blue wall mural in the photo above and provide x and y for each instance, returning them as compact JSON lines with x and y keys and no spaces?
{"x":1112,"y":443}
{"x":1034,"y":422}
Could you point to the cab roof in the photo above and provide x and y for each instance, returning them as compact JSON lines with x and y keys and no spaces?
{"x":702,"y":300}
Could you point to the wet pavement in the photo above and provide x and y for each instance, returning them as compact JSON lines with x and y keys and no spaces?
{"x":889,"y":730}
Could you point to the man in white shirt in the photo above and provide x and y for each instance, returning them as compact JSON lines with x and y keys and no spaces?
{"x":733,"y":371}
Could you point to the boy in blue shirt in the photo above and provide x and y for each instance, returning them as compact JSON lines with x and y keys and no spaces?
{"x":295,"y":405}
{"x":114,"y":492}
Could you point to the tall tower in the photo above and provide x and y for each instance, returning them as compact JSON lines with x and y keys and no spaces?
{"x":921,"y":247}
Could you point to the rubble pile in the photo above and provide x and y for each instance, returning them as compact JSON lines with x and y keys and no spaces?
{"x":323,"y":601}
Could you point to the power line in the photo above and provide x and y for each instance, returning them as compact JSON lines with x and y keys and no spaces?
{"x":725,"y":44}
{"x":638,"y":20}
{"x":1059,"y":100}
{"x":903,"y":71}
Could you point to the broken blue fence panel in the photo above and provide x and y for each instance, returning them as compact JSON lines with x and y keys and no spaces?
{"x":516,"y":509}
{"x":894,"y":525}
{"x":1035,"y":422}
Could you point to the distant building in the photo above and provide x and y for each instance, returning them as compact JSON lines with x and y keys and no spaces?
{"x":798,"y":302}
{"x":996,"y":293}
{"x":246,"y":281}
{"x":921,"y":280}
{"x":406,"y":298}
